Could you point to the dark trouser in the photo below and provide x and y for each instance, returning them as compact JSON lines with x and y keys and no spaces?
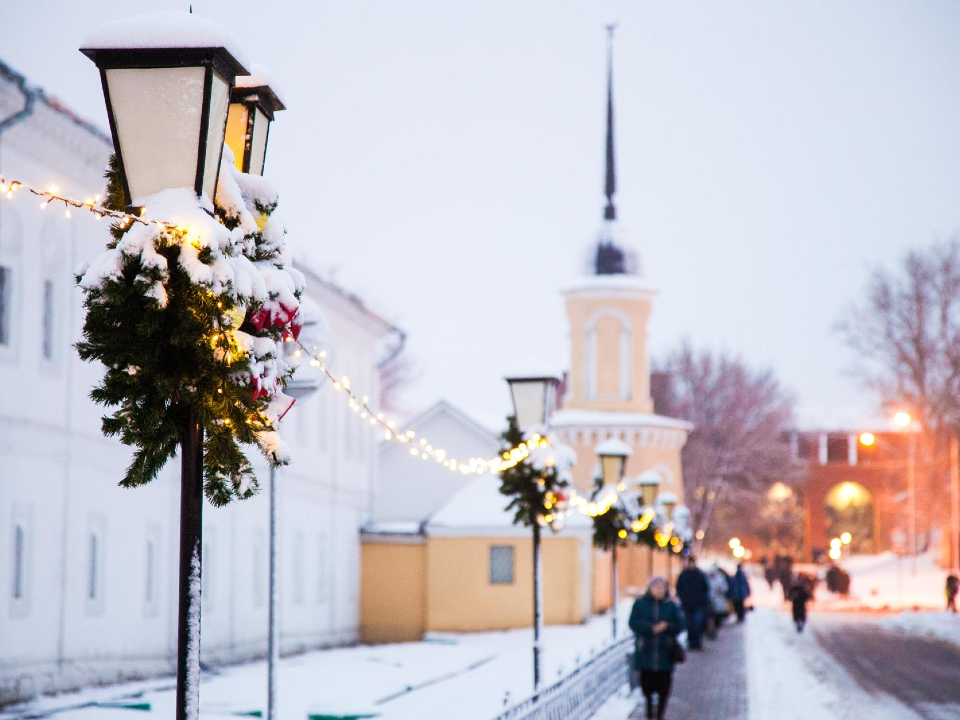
{"x":656,"y":682}
{"x":739,"y":609}
{"x":952,"y":603}
{"x":695,"y":618}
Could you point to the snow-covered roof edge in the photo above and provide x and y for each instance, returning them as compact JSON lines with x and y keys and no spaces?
{"x":603,"y":418}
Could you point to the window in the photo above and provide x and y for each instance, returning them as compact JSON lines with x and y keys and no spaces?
{"x":259,"y":571}
{"x":501,"y":565}
{"x":5,"y":281}
{"x":48,"y":319}
{"x":298,"y":586}
{"x":19,"y":558}
{"x":151,"y":551}
{"x":93,"y":578}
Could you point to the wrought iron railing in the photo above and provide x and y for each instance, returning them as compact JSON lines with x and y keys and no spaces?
{"x":582,"y":692}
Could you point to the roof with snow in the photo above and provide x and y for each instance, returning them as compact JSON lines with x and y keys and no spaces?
{"x":478,"y":509}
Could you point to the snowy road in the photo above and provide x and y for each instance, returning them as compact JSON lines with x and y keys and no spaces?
{"x":848,"y":666}
{"x":921,"y":673}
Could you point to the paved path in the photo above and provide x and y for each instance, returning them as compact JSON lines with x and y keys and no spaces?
{"x":711,"y":684}
{"x":921,"y":673}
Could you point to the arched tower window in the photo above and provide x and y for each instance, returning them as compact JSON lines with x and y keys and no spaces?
{"x":609,"y":348}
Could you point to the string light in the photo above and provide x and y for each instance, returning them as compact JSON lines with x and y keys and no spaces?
{"x":9,"y":187}
{"x":426,"y":451}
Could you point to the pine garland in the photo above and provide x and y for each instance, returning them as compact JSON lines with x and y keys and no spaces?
{"x":177,"y":330}
{"x":535,"y":487}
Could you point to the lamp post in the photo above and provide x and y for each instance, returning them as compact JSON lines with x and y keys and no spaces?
{"x":649,"y":483}
{"x":167,"y":108}
{"x":306,"y":380}
{"x":613,"y":456}
{"x":533,"y":394}
{"x":668,"y":501}
{"x":903,"y":420}
{"x":253,"y":102}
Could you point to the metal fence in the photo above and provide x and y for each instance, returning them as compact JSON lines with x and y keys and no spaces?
{"x":582,"y":692}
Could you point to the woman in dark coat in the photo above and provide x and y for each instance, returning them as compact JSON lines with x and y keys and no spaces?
{"x":799,"y":597}
{"x":656,"y":620}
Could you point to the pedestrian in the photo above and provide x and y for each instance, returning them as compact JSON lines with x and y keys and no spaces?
{"x":799,"y":597}
{"x":739,"y":592}
{"x":693,"y":591}
{"x":656,"y":621}
{"x":719,"y":588}
{"x":953,"y":586}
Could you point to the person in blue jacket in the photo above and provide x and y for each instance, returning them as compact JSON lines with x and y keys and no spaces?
{"x":739,"y":592}
{"x":656,"y":621}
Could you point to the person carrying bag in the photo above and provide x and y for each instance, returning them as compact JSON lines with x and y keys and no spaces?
{"x":656,"y":620}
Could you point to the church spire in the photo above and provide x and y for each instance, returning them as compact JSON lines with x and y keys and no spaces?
{"x":610,"y":186}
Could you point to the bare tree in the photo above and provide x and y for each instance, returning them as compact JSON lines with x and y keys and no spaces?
{"x":906,"y":335}
{"x":737,"y":449}
{"x":395,"y":378}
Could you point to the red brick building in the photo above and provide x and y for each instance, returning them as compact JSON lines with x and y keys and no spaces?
{"x":857,"y":488}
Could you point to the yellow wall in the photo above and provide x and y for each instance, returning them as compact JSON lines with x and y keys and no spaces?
{"x":460,"y":597}
{"x":393,"y":580}
{"x":633,"y":566}
{"x":580,"y":311}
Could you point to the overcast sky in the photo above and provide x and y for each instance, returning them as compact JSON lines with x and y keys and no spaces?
{"x":446,"y":160}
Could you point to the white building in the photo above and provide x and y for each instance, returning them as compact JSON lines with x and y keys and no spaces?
{"x":411,"y":489}
{"x":88,"y":570}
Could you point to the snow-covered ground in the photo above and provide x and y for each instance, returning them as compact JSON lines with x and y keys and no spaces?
{"x":471,"y":676}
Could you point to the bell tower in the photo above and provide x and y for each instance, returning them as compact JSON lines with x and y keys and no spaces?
{"x":609,"y":309}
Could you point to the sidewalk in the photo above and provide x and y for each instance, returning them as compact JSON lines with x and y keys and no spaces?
{"x":710,"y":684}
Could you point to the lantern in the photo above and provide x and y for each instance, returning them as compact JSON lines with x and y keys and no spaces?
{"x":252,"y":104}
{"x":613,"y":459}
{"x":649,"y":483}
{"x":166,"y":81}
{"x":534,"y":396}
{"x":668,"y":501}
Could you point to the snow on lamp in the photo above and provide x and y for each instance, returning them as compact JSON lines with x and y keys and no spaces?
{"x":166,"y":80}
{"x":534,"y":394}
{"x":668,"y":501}
{"x":253,"y":102}
{"x":649,"y":483}
{"x":613,"y":455}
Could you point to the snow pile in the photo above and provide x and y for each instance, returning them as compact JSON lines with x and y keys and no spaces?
{"x":164,"y":29}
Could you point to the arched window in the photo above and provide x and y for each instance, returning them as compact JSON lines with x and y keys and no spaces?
{"x":609,"y":348}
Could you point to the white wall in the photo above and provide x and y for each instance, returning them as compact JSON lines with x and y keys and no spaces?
{"x":409,"y":488}
{"x":58,"y":475}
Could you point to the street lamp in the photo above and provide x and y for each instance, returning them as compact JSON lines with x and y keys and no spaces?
{"x":649,"y":483}
{"x":253,"y":102}
{"x":668,"y":501}
{"x":306,"y":380}
{"x":167,"y":104}
{"x":534,"y":394}
{"x":613,"y":455}
{"x":167,"y":107}
{"x":903,"y":420}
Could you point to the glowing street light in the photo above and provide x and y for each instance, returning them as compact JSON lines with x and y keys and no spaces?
{"x":868,"y":439}
{"x":734,"y":543}
{"x":739,"y":551}
{"x":834,"y":553}
{"x":846,"y":538}
{"x":902,"y":419}
{"x":835,"y":544}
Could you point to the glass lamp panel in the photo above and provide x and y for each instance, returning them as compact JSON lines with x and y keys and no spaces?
{"x":258,"y":143}
{"x":529,"y":402}
{"x":236,"y":134}
{"x":612,"y":467}
{"x":219,"y":102}
{"x":157,"y":116}
{"x":649,"y":494}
